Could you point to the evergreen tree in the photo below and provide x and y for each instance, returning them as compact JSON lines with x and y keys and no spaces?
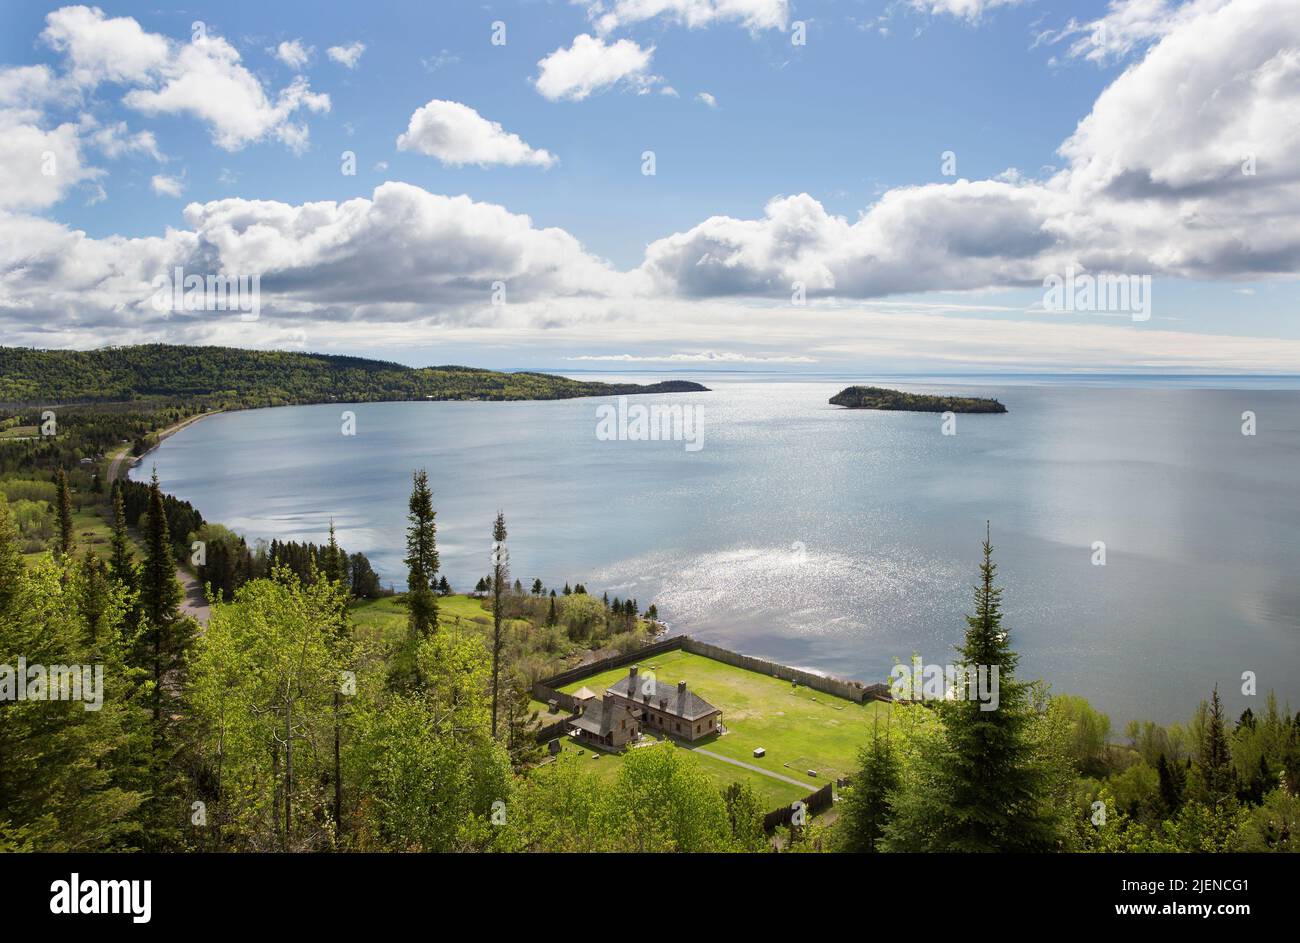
{"x":500,"y":573}
{"x":537,"y":587}
{"x":867,"y":808}
{"x":93,"y":599}
{"x":1218,"y":777}
{"x":421,"y":560}
{"x":552,"y":618}
{"x":986,"y":786}
{"x":160,"y":599}
{"x":67,"y":536}
{"x":1172,"y":783}
{"x":365,"y":581}
{"x":745,"y":817}
{"x":121,"y":565}
{"x":334,"y":564}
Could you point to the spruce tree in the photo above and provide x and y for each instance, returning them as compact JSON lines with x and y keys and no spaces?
{"x":500,"y":573}
{"x":421,"y":560}
{"x":987,"y":787}
{"x":93,"y":595}
{"x":121,"y":565}
{"x":1172,"y":782}
{"x":67,"y":536}
{"x":334,"y":561}
{"x":1218,"y":776}
{"x":160,"y":596}
{"x":867,"y":809}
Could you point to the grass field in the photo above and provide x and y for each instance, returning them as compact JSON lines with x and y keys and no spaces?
{"x":800,"y":729}
{"x":771,"y":792}
{"x":92,"y":533}
{"x":388,"y":616}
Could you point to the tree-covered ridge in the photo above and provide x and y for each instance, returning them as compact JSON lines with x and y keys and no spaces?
{"x":877,"y":397}
{"x":228,"y":377}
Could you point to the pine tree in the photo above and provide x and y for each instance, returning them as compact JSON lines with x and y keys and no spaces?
{"x":867,"y":808}
{"x":421,"y":560}
{"x":121,"y":565}
{"x":334,"y":562}
{"x":93,"y":594}
{"x":1172,"y":782}
{"x":500,"y":573}
{"x":987,"y":788}
{"x":537,"y":587}
{"x":67,"y":536}
{"x":1218,"y":776}
{"x":160,"y":596}
{"x":551,"y":618}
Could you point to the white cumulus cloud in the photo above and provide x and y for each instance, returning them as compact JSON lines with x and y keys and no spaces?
{"x":590,"y":65}
{"x":457,"y":134}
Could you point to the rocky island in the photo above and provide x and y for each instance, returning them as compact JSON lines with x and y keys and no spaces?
{"x":876,"y":397}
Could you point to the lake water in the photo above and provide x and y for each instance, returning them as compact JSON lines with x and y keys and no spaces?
{"x":833,"y":539}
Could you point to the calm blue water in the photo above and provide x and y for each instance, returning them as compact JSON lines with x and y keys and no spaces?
{"x":833,"y":539}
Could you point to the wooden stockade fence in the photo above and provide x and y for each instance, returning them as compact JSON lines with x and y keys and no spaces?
{"x":814,"y":802}
{"x":850,"y":690}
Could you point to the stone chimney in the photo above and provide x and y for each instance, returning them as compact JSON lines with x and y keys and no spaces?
{"x":631,"y":681}
{"x":681,"y":687}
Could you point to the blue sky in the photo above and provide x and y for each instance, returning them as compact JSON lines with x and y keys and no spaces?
{"x":851,"y":123}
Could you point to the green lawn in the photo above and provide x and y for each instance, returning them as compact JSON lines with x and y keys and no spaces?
{"x":800,"y":729}
{"x":771,"y":792}
{"x":387,"y":616}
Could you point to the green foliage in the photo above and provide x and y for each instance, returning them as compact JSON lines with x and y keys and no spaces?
{"x":432,"y":769}
{"x":66,"y":780}
{"x":1089,"y":731}
{"x":262,"y":691}
{"x":660,"y":801}
{"x":867,"y":809}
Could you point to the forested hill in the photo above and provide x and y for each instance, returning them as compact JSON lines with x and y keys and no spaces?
{"x":228,"y":377}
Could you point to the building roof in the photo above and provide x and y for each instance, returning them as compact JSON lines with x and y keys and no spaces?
{"x":583,"y":693}
{"x":671,"y":699}
{"x":601,"y":717}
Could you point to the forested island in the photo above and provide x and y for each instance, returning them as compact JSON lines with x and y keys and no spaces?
{"x":877,"y":397}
